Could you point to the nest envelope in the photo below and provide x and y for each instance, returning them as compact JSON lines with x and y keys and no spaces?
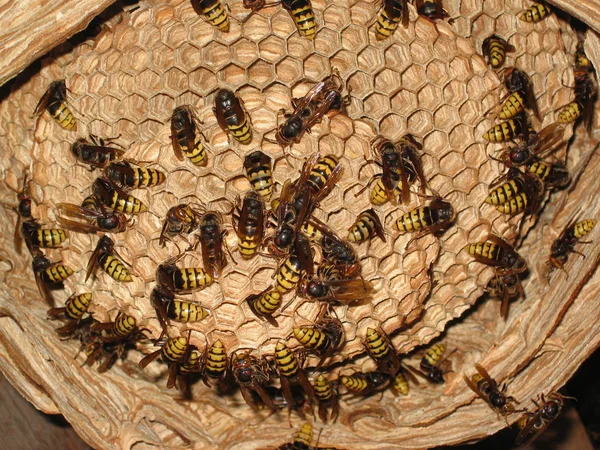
{"x":429,"y":80}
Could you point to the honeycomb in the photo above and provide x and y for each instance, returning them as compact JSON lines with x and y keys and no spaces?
{"x":428,"y":80}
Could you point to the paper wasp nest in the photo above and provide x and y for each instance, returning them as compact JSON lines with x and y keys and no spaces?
{"x":429,"y":80}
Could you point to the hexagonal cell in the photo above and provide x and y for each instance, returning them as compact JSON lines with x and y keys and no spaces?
{"x":446,"y":117}
{"x":123,"y":38}
{"x":377,"y":105}
{"x":256,"y":28}
{"x":282,"y":25}
{"x":202,"y":81}
{"x":392,"y":127}
{"x":275,"y":95}
{"x":147,"y":83}
{"x":299,"y":47}
{"x":188,"y":56}
{"x":451,"y":163}
{"x":316,"y":67}
{"x":135,"y":59}
{"x":244,"y":52}
{"x":97,"y":84}
{"x":149,"y":36}
{"x":421,"y":51}
{"x":344,"y":62}
{"x":420,"y":123}
{"x":469,"y":111}
{"x":361,"y":84}
{"x":162,"y":58}
{"x":430,"y":97}
{"x":414,"y":77}
{"x":459,"y":135}
{"x":110,"y":61}
{"x":289,"y":70}
{"x":475,"y":155}
{"x":175,"y":81}
{"x":260,"y":74}
{"x":272,"y":49}
{"x":125,"y":82}
{"x":388,"y":82}
{"x":232,"y":75}
{"x":336,"y":17}
{"x":371,"y":59}
{"x":477,"y":88}
{"x":215,"y":55}
{"x":201,"y":33}
{"x":397,"y":57}
{"x":354,"y":38}
{"x":460,"y":69}
{"x":327,"y":42}
{"x":466,"y":180}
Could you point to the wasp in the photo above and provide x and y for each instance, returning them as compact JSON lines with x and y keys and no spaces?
{"x":124,"y":175}
{"x":521,"y":94}
{"x":249,"y":224}
{"x":494,"y":49}
{"x":290,"y":373}
{"x":265,"y":304}
{"x":75,"y":308}
{"x":232,"y":117}
{"x":380,"y":348}
{"x":509,"y":130}
{"x":97,"y":153}
{"x":211,"y":243}
{"x":366,"y":226}
{"x":259,"y":173}
{"x":48,"y":273}
{"x":431,"y":219}
{"x":181,"y":219}
{"x":565,"y":243}
{"x":321,"y":99}
{"x":585,"y":96}
{"x":54,"y":101}
{"x":215,"y":362}
{"x":174,"y":352}
{"x":401,"y":166}
{"x":344,"y":291}
{"x":327,"y":397}
{"x":123,"y":327}
{"x":302,"y":439}
{"x":497,"y":252}
{"x":116,"y":198}
{"x":192,"y":365}
{"x":400,"y":382}
{"x":535,"y":13}
{"x":431,"y":9}
{"x":184,"y":137}
{"x":103,"y":257}
{"x":303,"y":15}
{"x":251,"y":374}
{"x":167,"y":309}
{"x":553,"y":175}
{"x":431,"y":364}
{"x":93,"y":215}
{"x":486,"y":387}
{"x":532,"y":424}
{"x":214,"y":12}
{"x":291,"y":270}
{"x":182,"y":280}
{"x":538,"y":146}
{"x":521,"y":192}
{"x":367,"y":383}
{"x":325,"y":337}
{"x":505,"y":284}
{"x":392,"y":12}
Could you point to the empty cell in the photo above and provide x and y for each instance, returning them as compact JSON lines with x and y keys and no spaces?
{"x":244,"y":52}
{"x":202,"y":81}
{"x":377,"y":105}
{"x":188,"y":57}
{"x":420,"y":123}
{"x":327,"y":42}
{"x":316,"y":67}
{"x":430,"y":97}
{"x":289,"y":70}
{"x":345,"y":62}
{"x":162,"y":58}
{"x":174,"y":81}
{"x":404,"y":102}
{"x":272,"y":49}
{"x":388,"y":82}
{"x":215,"y":55}
{"x":371,"y":59}
{"x":361,"y":84}
{"x":233,"y":75}
{"x":299,"y":47}
{"x":354,"y":38}
{"x":136,"y":60}
{"x":392,"y":126}
{"x":256,"y":28}
{"x":414,"y":78}
{"x":336,"y":17}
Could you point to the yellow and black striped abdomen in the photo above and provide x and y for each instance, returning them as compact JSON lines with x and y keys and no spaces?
{"x":190,"y":278}
{"x":354,"y":383}
{"x":196,"y":155}
{"x":376,"y":344}
{"x":582,"y":228}
{"x":515,"y":205}
{"x":321,"y":172}
{"x":433,"y":355}
{"x":286,"y":361}
{"x":570,"y":113}
{"x":185,"y":311}
{"x":505,"y":192}
{"x":239,"y":127}
{"x":497,"y":52}
{"x":56,"y":273}
{"x":216,"y":15}
{"x":385,"y":25}
{"x":288,"y":275}
{"x":124,"y":325}
{"x":304,"y":17}
{"x":192,"y":364}
{"x":261,"y":180}
{"x":128,"y":204}
{"x":115,"y":268}
{"x":77,"y":305}
{"x":147,"y":177}
{"x":504,"y":131}
{"x":535,"y":13}
{"x":313,"y":234}
{"x":50,"y":238}
{"x":514,"y":104}
{"x":268,"y":302}
{"x":401,"y":383}
{"x":487,"y":250}
{"x":248,"y":245}
{"x":322,"y":388}
{"x":540,"y":169}
{"x":216,"y":360}
{"x":174,"y":349}
{"x":62,"y":115}
{"x":303,"y":438}
{"x":415,"y":220}
{"x":312,"y":338}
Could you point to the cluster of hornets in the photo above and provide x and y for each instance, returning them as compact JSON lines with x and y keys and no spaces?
{"x":286,"y":227}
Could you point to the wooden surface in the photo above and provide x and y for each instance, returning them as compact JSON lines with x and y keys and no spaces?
{"x":30,"y":29}
{"x":588,"y":11}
